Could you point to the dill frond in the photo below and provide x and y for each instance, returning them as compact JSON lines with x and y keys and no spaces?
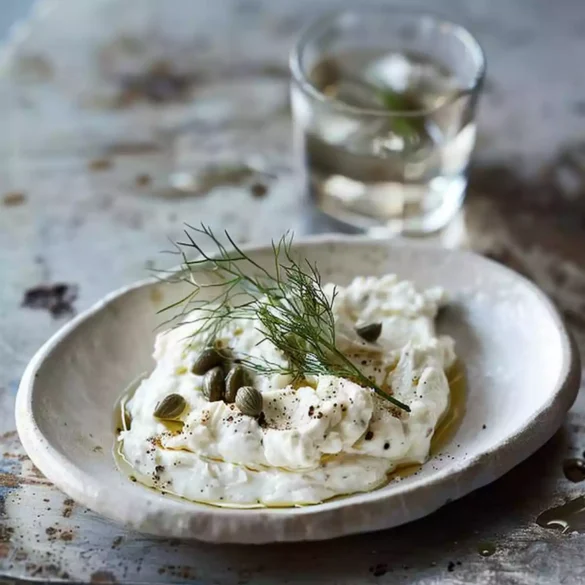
{"x":294,"y":313}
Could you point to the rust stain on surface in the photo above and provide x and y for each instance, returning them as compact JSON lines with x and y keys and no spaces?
{"x":33,"y":68}
{"x":17,"y":456}
{"x":159,"y":84}
{"x":9,"y":480}
{"x":177,"y":571}
{"x":143,"y":180}
{"x":100,"y":164}
{"x":55,"y":533}
{"x":68,"y":505}
{"x":103,"y":578}
{"x":56,"y":298}
{"x":259,"y":190}
{"x":14,"y":199}
{"x":6,"y":533}
{"x":37,"y":473}
{"x":67,"y":536}
{"x":224,"y":176}
{"x":50,"y":570}
{"x":4,"y":550}
{"x":132,"y":148}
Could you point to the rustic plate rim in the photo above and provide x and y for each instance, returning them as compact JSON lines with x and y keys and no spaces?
{"x":84,"y":487}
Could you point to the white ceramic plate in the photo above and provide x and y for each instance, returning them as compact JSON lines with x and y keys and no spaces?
{"x":522,"y":370}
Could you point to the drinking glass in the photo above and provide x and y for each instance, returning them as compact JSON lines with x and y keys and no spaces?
{"x":383,"y":105}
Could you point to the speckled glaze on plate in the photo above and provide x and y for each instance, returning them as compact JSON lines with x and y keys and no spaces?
{"x":522,"y":372}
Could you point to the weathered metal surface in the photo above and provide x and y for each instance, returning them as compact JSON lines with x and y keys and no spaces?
{"x":88,"y":94}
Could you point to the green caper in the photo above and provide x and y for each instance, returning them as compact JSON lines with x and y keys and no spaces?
{"x":207,"y":359}
{"x":236,"y":378}
{"x":370,"y":332}
{"x":214,"y":384}
{"x":249,"y":401}
{"x":170,"y":407}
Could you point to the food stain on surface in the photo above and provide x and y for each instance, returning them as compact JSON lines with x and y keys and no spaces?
{"x":156,"y":295}
{"x":56,"y":298}
{"x":100,"y":164}
{"x":132,"y":148}
{"x":258,"y":190}
{"x":223,"y":176}
{"x":55,"y":533}
{"x":234,"y":174}
{"x":574,"y":469}
{"x":568,"y":517}
{"x":11,"y":480}
{"x":180,"y":571}
{"x":33,"y":68}
{"x":14,"y":199}
{"x":68,"y":507}
{"x":103,"y":578}
{"x":159,"y":84}
{"x":143,"y":180}
{"x":6,"y":533}
{"x":67,"y":536}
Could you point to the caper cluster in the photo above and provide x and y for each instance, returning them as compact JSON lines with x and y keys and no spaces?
{"x":233,"y":387}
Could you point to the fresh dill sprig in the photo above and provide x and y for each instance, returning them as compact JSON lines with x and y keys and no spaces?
{"x":294,"y":313}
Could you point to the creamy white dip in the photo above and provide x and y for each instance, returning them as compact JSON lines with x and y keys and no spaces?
{"x":326,"y":438}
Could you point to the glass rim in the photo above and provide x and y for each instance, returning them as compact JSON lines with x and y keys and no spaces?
{"x":299,"y":76}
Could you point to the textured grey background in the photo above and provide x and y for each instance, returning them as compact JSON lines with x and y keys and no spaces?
{"x":11,"y":11}
{"x":65,"y":103}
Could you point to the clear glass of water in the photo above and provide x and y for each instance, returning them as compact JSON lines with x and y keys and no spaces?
{"x":384,"y":116}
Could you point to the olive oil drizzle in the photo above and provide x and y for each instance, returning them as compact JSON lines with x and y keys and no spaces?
{"x":444,"y":432}
{"x":449,"y":424}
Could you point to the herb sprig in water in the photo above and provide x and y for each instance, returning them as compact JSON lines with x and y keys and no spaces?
{"x":295,"y":314}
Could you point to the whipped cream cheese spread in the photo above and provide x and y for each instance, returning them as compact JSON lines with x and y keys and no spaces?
{"x":316,"y":439}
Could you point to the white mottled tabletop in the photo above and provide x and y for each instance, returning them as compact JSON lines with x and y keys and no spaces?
{"x":101,"y":99}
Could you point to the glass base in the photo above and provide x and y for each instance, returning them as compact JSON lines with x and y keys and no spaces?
{"x":429,"y":222}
